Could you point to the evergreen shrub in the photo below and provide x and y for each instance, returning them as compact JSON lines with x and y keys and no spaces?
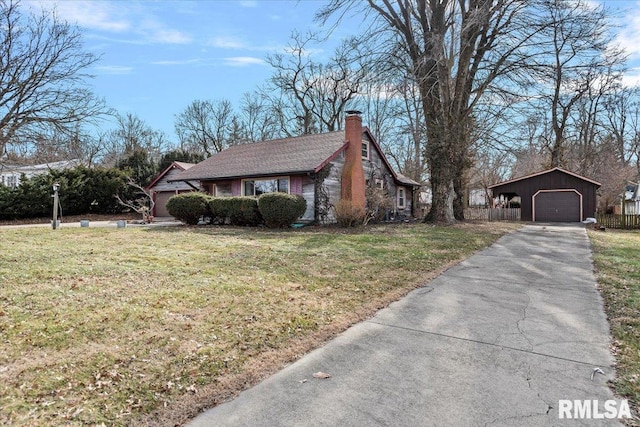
{"x":280,"y":209}
{"x":189,"y":207}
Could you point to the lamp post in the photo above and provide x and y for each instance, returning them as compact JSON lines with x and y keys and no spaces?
{"x":56,"y":187}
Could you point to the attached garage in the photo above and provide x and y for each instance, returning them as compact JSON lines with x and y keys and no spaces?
{"x":162,"y":190}
{"x":554,"y":195}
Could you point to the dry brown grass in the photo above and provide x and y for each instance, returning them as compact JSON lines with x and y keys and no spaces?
{"x":149,"y":326}
{"x":618,"y":272}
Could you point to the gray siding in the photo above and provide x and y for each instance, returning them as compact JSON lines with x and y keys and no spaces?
{"x":164,"y":185}
{"x":308,"y":192}
{"x":376,"y":168}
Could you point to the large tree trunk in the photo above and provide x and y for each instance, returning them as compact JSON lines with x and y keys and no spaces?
{"x":439,"y":154}
{"x":443,"y":195}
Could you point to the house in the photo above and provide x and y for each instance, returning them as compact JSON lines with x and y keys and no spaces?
{"x":554,"y":195}
{"x":477,"y":197}
{"x":632,"y":199}
{"x":11,"y":174}
{"x":322,"y":168}
{"x":161,"y":188}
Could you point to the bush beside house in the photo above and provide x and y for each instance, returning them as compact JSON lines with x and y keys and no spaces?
{"x":280,"y":209}
{"x":244,"y":211}
{"x":189,"y":207}
{"x":348,"y":214}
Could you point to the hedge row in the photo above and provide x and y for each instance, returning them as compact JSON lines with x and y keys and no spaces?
{"x":272,"y":209}
{"x":82,"y":190}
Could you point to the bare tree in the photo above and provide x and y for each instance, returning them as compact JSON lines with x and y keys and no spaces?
{"x":142,"y":205}
{"x":259,"y":124}
{"x":456,"y":51}
{"x":310,"y":96}
{"x":132,"y":135}
{"x":42,"y":76}
{"x":622,"y":122}
{"x":575,"y":60}
{"x":206,"y":126}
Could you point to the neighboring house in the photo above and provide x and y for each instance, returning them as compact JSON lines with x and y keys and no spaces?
{"x":11,"y":174}
{"x":162,"y":189}
{"x":554,"y":195}
{"x":312,"y":166}
{"x":632,"y":199}
{"x":478,"y":197}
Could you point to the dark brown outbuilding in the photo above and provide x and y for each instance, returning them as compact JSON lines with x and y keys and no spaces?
{"x":554,"y":195}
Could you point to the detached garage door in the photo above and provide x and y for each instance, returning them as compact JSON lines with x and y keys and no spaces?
{"x":557,"y":206}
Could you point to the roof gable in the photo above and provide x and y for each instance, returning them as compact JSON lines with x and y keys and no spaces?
{"x":398,"y":177}
{"x":174,"y":165}
{"x":543,"y":173}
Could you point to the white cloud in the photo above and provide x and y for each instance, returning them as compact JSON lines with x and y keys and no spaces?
{"x":227,"y":42}
{"x":134,"y":22}
{"x":248,"y":3}
{"x":632,"y":77}
{"x":243,"y":61}
{"x":113,"y":69}
{"x":178,"y":62}
{"x":103,"y":16}
{"x":169,"y":36}
{"x":628,"y":36}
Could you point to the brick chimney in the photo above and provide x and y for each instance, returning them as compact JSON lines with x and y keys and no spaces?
{"x":353,"y":182}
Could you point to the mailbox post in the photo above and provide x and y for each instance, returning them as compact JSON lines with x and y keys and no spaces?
{"x":56,"y":202}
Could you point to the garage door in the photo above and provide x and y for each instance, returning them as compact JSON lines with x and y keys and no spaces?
{"x":557,"y":206}
{"x":161,"y":203}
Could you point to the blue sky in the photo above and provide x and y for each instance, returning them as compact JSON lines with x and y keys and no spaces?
{"x":159,"y":56}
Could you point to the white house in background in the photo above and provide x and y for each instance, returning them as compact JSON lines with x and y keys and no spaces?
{"x":632,"y":199}
{"x":11,"y":174}
{"x":478,"y":197}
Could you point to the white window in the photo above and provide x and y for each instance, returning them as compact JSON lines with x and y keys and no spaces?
{"x":365,"y":150}
{"x":401,"y":198}
{"x":379,"y":184}
{"x":256,"y":187}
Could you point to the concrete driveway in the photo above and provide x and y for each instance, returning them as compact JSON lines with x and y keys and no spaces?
{"x":497,"y":340}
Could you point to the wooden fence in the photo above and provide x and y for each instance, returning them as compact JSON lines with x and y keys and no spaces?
{"x":619,"y":221}
{"x":493,"y":214}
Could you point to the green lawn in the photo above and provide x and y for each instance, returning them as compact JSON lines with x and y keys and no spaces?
{"x":135,"y":326}
{"x":617,"y":261}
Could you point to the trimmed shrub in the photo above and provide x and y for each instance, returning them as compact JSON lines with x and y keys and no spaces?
{"x":189,"y":207}
{"x":243,"y":211}
{"x":348,"y":215}
{"x":281,"y":209}
{"x":219,"y":209}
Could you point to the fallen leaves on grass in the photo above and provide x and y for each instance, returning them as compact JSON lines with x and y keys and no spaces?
{"x":123,"y":327}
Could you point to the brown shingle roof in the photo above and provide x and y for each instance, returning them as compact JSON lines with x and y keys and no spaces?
{"x":280,"y":156}
{"x":406,"y":180}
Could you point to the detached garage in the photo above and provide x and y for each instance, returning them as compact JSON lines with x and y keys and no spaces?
{"x":162,"y":190}
{"x":554,"y":195}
